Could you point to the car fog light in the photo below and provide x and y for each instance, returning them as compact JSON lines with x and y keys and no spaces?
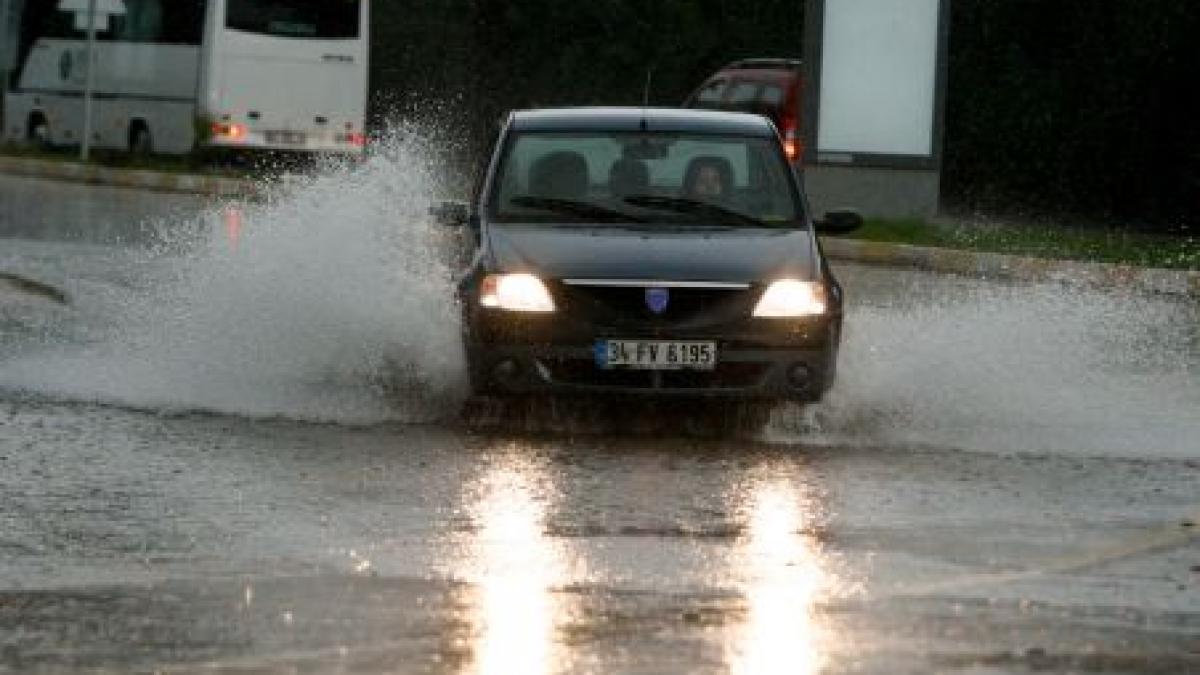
{"x":506,"y":371}
{"x":516,"y":293}
{"x":789,"y":298}
{"x":799,"y":376}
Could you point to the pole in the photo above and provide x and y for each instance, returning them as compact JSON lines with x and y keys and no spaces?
{"x":90,"y":83}
{"x":6,"y":76}
{"x":8,"y":36}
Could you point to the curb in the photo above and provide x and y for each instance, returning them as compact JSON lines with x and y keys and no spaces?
{"x":1013,"y":267}
{"x":141,"y":179}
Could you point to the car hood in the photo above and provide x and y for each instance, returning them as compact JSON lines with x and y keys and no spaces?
{"x":675,"y":253}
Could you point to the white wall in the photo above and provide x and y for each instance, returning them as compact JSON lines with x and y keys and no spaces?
{"x":878,"y":77}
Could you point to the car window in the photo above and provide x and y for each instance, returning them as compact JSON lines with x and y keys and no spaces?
{"x":615,"y":170}
{"x":711,"y":93}
{"x":742,"y":92}
{"x":771,"y":95}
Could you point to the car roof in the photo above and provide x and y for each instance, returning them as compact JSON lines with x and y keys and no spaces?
{"x":642,"y":119}
{"x":757,"y":74}
{"x":775,"y":65}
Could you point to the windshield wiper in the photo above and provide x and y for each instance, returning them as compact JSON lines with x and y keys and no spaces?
{"x":575,"y":208}
{"x":695,"y":207}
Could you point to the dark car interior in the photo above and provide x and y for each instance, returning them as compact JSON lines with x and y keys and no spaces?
{"x":559,"y":175}
{"x":628,"y":176}
{"x":620,"y":175}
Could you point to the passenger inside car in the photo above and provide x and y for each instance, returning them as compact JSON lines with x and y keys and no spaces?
{"x":708,"y":179}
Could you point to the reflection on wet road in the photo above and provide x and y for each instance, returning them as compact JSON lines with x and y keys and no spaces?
{"x":272,"y":545}
{"x":785,"y":578}
{"x":526,"y":612}
{"x":515,"y":568}
{"x":44,"y":210}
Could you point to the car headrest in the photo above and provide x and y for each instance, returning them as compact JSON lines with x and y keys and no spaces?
{"x":562,"y":174}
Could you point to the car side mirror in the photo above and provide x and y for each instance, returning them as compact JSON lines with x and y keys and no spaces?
{"x":840,"y":221}
{"x":451,"y":213}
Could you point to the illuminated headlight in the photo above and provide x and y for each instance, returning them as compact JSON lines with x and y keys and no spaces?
{"x":788,"y":298}
{"x":515,"y":292}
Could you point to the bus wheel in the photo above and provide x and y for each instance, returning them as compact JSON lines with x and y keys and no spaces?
{"x":37,"y":132}
{"x":141,"y":143}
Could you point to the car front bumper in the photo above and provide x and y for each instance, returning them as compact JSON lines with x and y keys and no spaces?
{"x":801,"y":375}
{"x":756,"y":359}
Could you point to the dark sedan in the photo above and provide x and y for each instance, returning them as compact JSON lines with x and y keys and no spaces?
{"x":651,"y":251}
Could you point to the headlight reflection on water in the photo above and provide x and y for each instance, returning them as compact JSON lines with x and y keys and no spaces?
{"x":783,"y":579}
{"x":515,"y":567}
{"x":520,"y":615}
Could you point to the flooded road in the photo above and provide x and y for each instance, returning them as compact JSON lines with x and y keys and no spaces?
{"x":238,"y":449}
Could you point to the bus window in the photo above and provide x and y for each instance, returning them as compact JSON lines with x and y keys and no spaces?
{"x":48,"y":20}
{"x":142,"y":21}
{"x":146,"y":21}
{"x":314,"y":19}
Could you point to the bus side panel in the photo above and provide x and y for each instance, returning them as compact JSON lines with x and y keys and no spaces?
{"x":17,"y":109}
{"x":154,"y":84}
{"x":169,"y":122}
{"x":122,"y":68}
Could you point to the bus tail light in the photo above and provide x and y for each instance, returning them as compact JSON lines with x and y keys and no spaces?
{"x":233,"y":132}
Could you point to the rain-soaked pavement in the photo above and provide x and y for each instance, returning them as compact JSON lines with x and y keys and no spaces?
{"x":237,"y":449}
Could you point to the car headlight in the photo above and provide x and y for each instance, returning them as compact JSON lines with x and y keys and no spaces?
{"x":788,"y":298}
{"x":516,"y":293}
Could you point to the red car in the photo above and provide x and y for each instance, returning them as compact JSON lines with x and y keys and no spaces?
{"x":769,"y":87}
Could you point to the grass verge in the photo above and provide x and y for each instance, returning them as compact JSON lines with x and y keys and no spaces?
{"x":1045,"y":241}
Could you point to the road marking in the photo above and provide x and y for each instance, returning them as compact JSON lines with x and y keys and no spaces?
{"x":1162,"y":538}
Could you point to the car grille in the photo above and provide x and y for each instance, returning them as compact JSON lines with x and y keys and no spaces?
{"x":620,"y":307}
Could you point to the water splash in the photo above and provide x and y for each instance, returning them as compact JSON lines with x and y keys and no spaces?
{"x":329,"y":300}
{"x":1013,"y":368}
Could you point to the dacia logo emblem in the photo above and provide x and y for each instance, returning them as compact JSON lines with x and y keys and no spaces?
{"x":657,"y":299}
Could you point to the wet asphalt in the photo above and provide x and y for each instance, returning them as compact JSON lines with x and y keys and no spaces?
{"x":983,"y":509}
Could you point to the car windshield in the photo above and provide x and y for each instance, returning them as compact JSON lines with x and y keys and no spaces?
{"x":646,"y":178}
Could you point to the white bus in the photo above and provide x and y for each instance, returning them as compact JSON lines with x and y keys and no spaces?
{"x":175,"y":75}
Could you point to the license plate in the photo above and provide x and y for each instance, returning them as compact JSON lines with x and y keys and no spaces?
{"x":656,"y":354}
